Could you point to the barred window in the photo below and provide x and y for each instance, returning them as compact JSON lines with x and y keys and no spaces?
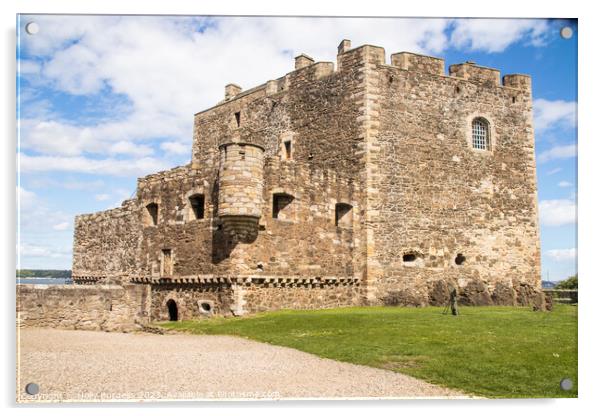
{"x":480,"y":134}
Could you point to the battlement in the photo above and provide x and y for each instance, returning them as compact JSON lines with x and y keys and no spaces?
{"x":348,"y":58}
{"x":519,"y":81}
{"x":419,"y":63}
{"x":472,"y":72}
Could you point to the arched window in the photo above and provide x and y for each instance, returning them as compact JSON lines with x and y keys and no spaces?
{"x":481,"y":137}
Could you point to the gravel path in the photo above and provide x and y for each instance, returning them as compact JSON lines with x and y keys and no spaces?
{"x":85,"y":365}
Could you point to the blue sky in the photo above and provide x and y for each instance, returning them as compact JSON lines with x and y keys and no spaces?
{"x":104,"y":100}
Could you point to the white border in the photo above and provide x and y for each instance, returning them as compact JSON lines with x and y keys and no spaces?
{"x":589,"y":194}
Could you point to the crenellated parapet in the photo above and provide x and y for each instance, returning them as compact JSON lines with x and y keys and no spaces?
{"x":419,"y":63}
{"x":518,"y":81}
{"x":475,"y":73}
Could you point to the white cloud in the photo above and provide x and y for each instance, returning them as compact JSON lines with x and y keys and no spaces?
{"x":61,"y":226}
{"x":168,"y":69}
{"x":111,"y":137}
{"x":555,"y":212}
{"x":175,"y":148}
{"x":42,"y":245}
{"x":549,"y":114}
{"x":25,"y":198}
{"x":562,"y":254}
{"x":29,"y":67}
{"x":102,"y":197}
{"x":34,"y":214}
{"x":123,"y":147}
{"x":115,"y":167}
{"x":495,"y":35}
{"x":564,"y":184}
{"x":554,"y":171}
{"x":39,"y":250}
{"x":558,"y":152}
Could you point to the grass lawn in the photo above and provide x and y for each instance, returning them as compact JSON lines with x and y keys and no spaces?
{"x":487,"y":351}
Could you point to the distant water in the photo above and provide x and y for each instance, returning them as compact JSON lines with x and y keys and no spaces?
{"x":44,"y":281}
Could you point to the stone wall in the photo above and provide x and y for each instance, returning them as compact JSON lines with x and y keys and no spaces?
{"x":446,"y":212}
{"x":257,"y":294}
{"x":192,"y":301}
{"x":195,"y":243}
{"x":259,"y":298}
{"x":106,"y":244}
{"x":305,"y":243}
{"x":88,"y":307}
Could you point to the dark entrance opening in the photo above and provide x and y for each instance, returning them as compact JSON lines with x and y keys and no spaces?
{"x":409,"y":257}
{"x":172,"y":309}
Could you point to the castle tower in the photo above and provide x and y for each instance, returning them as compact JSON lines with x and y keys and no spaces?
{"x":240,"y":189}
{"x":380,"y":184}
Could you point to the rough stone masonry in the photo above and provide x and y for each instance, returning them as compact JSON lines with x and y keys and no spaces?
{"x":367,"y":183}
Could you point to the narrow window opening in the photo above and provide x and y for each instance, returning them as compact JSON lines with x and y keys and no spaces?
{"x":409,"y":257}
{"x":460,"y":259}
{"x":458,"y":89}
{"x":343,"y":215}
{"x":237,"y":117}
{"x":172,"y":310}
{"x":282,"y":206}
{"x":287,"y":149}
{"x":152,"y":214}
{"x":197,"y":203}
{"x":513,"y":100}
{"x":166,"y":262}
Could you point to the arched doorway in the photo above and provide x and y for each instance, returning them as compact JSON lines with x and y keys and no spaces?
{"x":172,"y":310}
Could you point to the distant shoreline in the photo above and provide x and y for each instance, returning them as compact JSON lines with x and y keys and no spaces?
{"x":39,"y":280}
{"x":43,"y":274}
{"x":42,"y":277}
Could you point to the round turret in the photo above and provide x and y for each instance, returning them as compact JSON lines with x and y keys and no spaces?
{"x":240,"y":188}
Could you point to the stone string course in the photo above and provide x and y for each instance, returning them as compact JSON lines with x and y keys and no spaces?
{"x":393,"y":141}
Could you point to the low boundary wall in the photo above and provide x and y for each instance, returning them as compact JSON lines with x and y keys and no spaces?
{"x":92,"y":307}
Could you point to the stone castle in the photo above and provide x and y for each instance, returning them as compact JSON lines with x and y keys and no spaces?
{"x":364,"y":183}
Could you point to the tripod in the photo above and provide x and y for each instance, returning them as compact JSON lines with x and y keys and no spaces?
{"x":452,"y":304}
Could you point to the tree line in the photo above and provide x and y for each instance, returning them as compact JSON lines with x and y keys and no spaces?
{"x":53,"y":274}
{"x":570,"y":283}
